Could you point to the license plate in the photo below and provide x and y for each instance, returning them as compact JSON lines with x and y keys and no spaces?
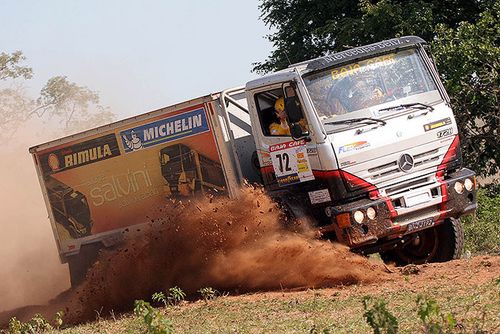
{"x":420,"y":224}
{"x":416,"y":199}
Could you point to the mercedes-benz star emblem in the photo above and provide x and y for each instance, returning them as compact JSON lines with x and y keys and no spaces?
{"x":405,"y":163}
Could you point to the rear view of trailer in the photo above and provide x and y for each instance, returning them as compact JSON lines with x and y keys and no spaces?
{"x":98,"y":183}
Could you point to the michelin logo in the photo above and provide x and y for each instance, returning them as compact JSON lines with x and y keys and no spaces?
{"x":168,"y":129}
{"x":134,"y":143}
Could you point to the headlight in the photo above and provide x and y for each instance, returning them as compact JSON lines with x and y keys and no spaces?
{"x":359,"y":216}
{"x":371,"y":213}
{"x":468,"y":184}
{"x":459,"y":187}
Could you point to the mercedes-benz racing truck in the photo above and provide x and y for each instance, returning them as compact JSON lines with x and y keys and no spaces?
{"x":362,"y":142}
{"x":369,"y":148}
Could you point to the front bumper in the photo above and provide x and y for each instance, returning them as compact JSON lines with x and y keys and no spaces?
{"x":413,"y":210}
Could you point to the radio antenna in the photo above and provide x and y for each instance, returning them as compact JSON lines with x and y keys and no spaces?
{"x":289,"y":62}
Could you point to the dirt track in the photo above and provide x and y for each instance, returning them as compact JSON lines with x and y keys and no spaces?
{"x":239,"y":246}
{"x":456,"y":275}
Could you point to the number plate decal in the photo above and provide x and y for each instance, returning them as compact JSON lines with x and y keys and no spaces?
{"x":291,"y":162}
{"x":420,"y":224}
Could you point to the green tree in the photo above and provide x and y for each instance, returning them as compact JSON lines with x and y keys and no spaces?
{"x":74,"y":107}
{"x":306,"y":29}
{"x":463,"y":33}
{"x":469,"y":61}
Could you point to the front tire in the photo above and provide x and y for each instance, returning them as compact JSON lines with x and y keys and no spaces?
{"x":442,"y":243}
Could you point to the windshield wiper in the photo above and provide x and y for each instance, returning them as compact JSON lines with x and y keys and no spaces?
{"x":416,"y":105}
{"x":369,"y":120}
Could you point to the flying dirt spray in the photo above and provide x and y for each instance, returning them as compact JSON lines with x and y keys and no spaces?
{"x":231,"y":245}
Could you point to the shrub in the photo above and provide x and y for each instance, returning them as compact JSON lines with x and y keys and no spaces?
{"x":482,"y":230}
{"x":159,"y":297}
{"x":208,"y":293}
{"x":433,"y":320}
{"x":36,"y":325}
{"x":155,"y":322}
{"x":175,"y":295}
{"x":378,"y":317}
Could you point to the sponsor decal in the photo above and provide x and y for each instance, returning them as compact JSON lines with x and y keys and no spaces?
{"x":347,"y":163}
{"x":354,"y":146}
{"x":53,"y":162}
{"x":363,"y":65}
{"x":337,"y":57}
{"x":165,"y":130}
{"x":444,"y":133}
{"x":132,"y":187}
{"x":437,"y":124}
{"x":420,"y":224}
{"x":312,"y":151}
{"x":291,"y":162}
{"x":80,"y":154}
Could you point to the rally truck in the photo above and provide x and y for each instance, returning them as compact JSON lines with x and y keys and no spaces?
{"x":363,"y":142}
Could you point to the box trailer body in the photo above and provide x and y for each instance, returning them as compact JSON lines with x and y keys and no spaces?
{"x":368,"y":149}
{"x":102,"y":181}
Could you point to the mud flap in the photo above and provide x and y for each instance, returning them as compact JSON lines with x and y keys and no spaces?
{"x":80,"y":263}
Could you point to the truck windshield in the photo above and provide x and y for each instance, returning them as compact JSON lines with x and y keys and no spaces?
{"x":364,"y":88}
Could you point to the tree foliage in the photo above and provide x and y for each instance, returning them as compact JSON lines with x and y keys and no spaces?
{"x":463,"y":34}
{"x":10,"y":66}
{"x":74,"y":107}
{"x":77,"y":107}
{"x":469,"y":61}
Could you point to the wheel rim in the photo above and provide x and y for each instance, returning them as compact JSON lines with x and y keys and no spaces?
{"x":422,"y":248}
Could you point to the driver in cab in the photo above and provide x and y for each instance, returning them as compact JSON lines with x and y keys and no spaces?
{"x":280,"y":126}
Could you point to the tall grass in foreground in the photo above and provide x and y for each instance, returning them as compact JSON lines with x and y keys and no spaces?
{"x":482,"y":230}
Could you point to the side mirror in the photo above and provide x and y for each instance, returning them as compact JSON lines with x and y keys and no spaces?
{"x":297,"y":133}
{"x":292,"y":108}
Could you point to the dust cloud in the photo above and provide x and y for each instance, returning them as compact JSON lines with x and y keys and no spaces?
{"x":232,"y":245}
{"x":30,"y":270}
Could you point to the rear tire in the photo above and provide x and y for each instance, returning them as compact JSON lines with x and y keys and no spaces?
{"x":79,"y":264}
{"x":442,"y":243}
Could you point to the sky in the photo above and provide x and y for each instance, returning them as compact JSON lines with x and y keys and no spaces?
{"x":138,"y":55}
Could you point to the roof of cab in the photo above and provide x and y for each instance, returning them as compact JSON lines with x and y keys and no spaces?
{"x":335,"y":59}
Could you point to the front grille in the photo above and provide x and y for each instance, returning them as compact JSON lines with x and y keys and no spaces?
{"x":421,"y":160}
{"x":410,"y":185}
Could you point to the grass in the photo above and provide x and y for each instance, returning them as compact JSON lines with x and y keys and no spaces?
{"x":316,"y":311}
{"x":482,"y":230}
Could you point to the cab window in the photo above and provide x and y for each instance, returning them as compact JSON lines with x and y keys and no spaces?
{"x":272,"y":112}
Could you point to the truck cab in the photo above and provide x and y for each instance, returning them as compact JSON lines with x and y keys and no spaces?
{"x":365,"y":142}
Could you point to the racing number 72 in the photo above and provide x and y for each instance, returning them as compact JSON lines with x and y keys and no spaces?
{"x":284,"y":161}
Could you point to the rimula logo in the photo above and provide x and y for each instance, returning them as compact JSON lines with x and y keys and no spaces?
{"x":88,"y":155}
{"x":80,"y":154}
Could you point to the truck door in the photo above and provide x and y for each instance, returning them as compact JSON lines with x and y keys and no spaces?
{"x":283,"y":160}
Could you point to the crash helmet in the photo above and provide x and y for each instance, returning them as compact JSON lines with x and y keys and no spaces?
{"x":279,"y":105}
